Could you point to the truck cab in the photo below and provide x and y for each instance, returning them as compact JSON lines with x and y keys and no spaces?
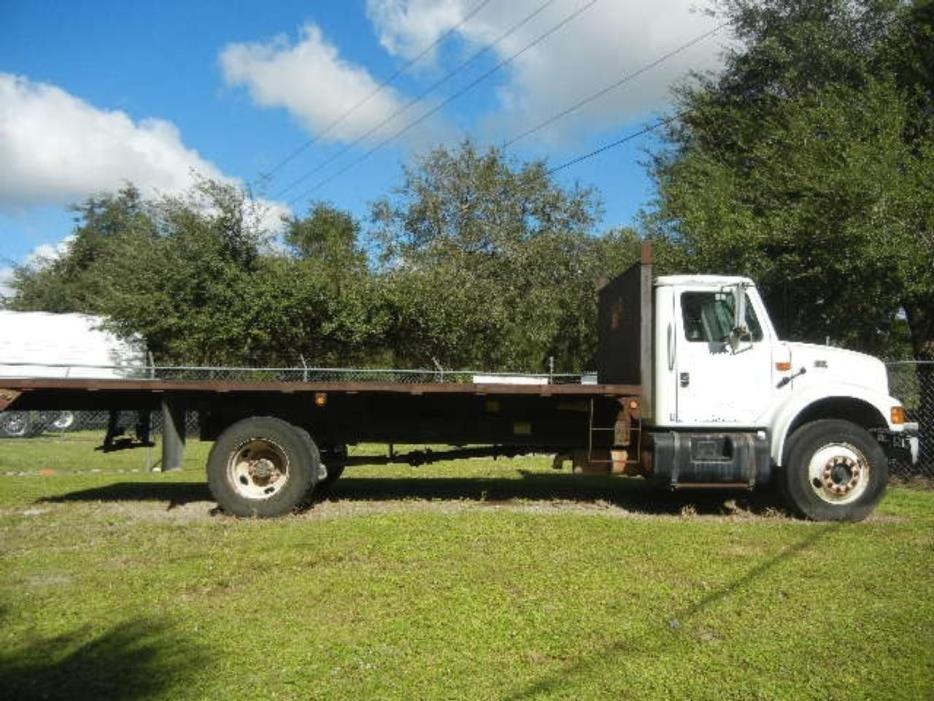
{"x":818,"y":420}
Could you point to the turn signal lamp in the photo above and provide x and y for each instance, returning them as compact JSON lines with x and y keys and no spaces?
{"x":899,"y":416}
{"x":783,"y":366}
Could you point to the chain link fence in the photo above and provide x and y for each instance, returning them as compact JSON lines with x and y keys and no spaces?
{"x":80,"y":425}
{"x":910,"y":381}
{"x":286,"y":374}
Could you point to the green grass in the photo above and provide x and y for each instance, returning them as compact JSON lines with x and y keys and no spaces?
{"x":475,"y":579}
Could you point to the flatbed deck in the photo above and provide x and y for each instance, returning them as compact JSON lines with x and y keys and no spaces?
{"x":342,"y":412}
{"x":159,"y":386}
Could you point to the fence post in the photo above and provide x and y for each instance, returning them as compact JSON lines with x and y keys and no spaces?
{"x":173,"y":434}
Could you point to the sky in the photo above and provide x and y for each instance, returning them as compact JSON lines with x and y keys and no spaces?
{"x":322,"y":99}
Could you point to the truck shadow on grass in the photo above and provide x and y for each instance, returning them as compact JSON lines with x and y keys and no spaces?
{"x":630,"y":494}
{"x":133,"y":660}
{"x":173,"y":493}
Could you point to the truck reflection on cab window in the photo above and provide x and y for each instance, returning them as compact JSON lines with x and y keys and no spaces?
{"x":708,"y":317}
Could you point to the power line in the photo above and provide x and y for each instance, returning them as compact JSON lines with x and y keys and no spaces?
{"x":411,"y":62}
{"x":448,"y":100}
{"x":412,"y":101}
{"x":644,"y":130}
{"x":614,"y":144}
{"x":612,"y":86}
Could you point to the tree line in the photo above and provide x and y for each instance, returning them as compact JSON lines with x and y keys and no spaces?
{"x":473,"y":262}
{"x":805,"y":163}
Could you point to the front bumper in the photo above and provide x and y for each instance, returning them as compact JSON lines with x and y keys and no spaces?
{"x":904,"y":445}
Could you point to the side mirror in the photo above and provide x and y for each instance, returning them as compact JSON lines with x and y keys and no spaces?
{"x":740,"y":332}
{"x":737,"y":336}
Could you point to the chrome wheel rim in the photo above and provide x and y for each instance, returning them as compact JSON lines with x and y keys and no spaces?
{"x":839,"y":473}
{"x":63,"y":421}
{"x":15,"y":424}
{"x":258,"y":469}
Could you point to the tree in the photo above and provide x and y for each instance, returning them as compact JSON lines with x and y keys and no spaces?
{"x":331,"y":313}
{"x":806,"y":163}
{"x":196,"y":278}
{"x":326,"y":234}
{"x":488,"y":263}
{"x":76,"y":281}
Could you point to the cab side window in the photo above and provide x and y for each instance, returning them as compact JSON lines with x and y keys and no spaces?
{"x":708,"y":317}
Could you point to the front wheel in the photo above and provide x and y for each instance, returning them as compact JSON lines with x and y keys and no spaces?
{"x":262,"y":467}
{"x":834,"y":471}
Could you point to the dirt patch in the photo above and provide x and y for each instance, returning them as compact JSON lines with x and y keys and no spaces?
{"x":327,"y":509}
{"x":189,"y":512}
{"x":43,"y":581}
{"x":913,"y":481}
{"x":876,"y":517}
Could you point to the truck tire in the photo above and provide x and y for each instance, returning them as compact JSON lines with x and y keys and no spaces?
{"x":262,"y":466}
{"x":16,"y":424}
{"x":834,"y":471}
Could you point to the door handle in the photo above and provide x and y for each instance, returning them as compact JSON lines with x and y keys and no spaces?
{"x":685,"y":379}
{"x":671,"y":347}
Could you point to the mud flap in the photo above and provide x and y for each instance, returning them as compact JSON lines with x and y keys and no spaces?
{"x":7,"y":397}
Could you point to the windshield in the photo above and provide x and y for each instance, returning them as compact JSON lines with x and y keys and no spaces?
{"x":708,"y":317}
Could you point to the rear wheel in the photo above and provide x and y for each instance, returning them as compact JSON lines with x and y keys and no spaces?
{"x":834,"y":471}
{"x":262,"y":467}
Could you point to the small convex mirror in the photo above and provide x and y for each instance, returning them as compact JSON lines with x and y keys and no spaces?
{"x":740,"y":332}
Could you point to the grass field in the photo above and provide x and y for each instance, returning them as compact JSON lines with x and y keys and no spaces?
{"x":476,"y":580}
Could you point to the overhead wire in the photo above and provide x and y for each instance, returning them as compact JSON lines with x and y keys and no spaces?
{"x":414,"y":100}
{"x":267,"y":175}
{"x":504,"y":62}
{"x":612,"y":86}
{"x":603,"y":91}
{"x":528,"y":132}
{"x":614,"y":144}
{"x":651,"y":127}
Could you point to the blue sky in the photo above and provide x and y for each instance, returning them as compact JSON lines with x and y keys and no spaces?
{"x":94,"y":93}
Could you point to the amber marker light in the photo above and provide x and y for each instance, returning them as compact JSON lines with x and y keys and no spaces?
{"x":633,"y":404}
{"x":783,"y":366}
{"x":320,"y":399}
{"x":899,"y":416}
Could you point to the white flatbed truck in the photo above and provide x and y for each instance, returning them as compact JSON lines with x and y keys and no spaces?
{"x":694,"y":390}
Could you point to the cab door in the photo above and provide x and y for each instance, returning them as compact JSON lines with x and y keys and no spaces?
{"x":719,"y":384}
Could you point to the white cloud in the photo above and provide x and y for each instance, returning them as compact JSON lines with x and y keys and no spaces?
{"x":56,"y":148}
{"x":407,"y":28}
{"x":41,"y":255}
{"x":607,"y":41}
{"x":47,"y":252}
{"x":267,"y":215}
{"x":312,"y":81}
